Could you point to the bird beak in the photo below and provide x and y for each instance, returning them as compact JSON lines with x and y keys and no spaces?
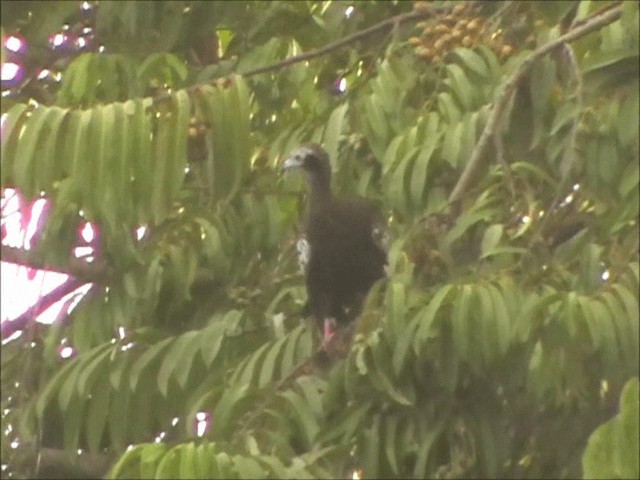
{"x":294,"y":161}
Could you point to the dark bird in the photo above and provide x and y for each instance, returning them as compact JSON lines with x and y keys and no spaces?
{"x":343,"y":244}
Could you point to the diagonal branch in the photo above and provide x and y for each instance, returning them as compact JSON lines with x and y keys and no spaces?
{"x":9,"y":327}
{"x":594,"y":23}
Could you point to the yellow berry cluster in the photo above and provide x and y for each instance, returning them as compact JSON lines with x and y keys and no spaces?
{"x":458,"y":28}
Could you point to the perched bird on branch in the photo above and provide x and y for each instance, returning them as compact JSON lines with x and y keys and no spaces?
{"x":343,"y":244}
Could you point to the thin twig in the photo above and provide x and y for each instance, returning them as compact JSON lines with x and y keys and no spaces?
{"x":593,"y":23}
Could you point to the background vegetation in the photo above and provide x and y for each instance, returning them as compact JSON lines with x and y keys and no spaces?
{"x":501,"y":141}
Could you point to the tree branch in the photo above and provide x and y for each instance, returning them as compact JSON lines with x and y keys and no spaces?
{"x":56,"y":463}
{"x":80,"y":269}
{"x":594,"y":23}
{"x":9,"y":327}
{"x":385,"y":24}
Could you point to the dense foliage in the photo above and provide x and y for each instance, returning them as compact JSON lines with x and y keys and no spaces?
{"x":507,"y":327}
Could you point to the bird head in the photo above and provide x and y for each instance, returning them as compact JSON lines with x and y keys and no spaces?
{"x":313,"y":160}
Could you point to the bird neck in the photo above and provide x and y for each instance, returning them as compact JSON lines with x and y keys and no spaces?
{"x":320,"y":191}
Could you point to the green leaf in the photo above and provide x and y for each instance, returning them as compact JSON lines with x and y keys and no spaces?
{"x":630,"y":179}
{"x":313,"y":388}
{"x":375,"y":118}
{"x":385,"y":87}
{"x":627,"y":122}
{"x":150,"y":455}
{"x":303,"y":417}
{"x":543,"y":77}
{"x":68,"y":390}
{"x":461,"y":323}
{"x":102,"y":182}
{"x":224,"y":465}
{"x":353,"y":419}
{"x":118,"y":418}
{"x":333,"y":130}
{"x":612,"y":449}
{"x":248,"y":468}
{"x":396,"y":299}
{"x":553,"y":12}
{"x":473,"y":61}
{"x":608,"y":161}
{"x":223,"y":417}
{"x":178,"y":360}
{"x":152,"y":354}
{"x":182,"y":112}
{"x":397,"y":191}
{"x":452,"y":143}
{"x":16,"y":116}
{"x":51,"y":163}
{"x":466,"y":221}
{"x":419,"y":174}
{"x":204,"y":457}
{"x":54,"y":384}
{"x":248,"y":370}
{"x":610,"y":346}
{"x":392,"y":154}
{"x":425,"y":329}
{"x":422,"y":460}
{"x":460,"y":85}
{"x":537,"y":171}
{"x":629,"y":321}
{"x":627,"y":343}
{"x":270,"y":369}
{"x":96,"y":415}
{"x":502,"y":320}
{"x":161,"y":167}
{"x":124,"y":463}
{"x":93,"y":365}
{"x":24,"y":166}
{"x":567,"y":112}
{"x":487,"y":322}
{"x":391,"y":441}
{"x":491,"y":239}
{"x":402,"y":345}
{"x":211,"y":342}
{"x":74,"y":417}
{"x":382,"y":379}
{"x":80,"y":167}
{"x":143,"y":176}
{"x":78,"y":73}
{"x":371,"y":454}
{"x":188,"y":463}
{"x":120,"y":166}
{"x":448,"y":108}
{"x":630,"y":303}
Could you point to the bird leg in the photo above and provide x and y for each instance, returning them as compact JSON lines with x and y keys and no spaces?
{"x":329,"y":331}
